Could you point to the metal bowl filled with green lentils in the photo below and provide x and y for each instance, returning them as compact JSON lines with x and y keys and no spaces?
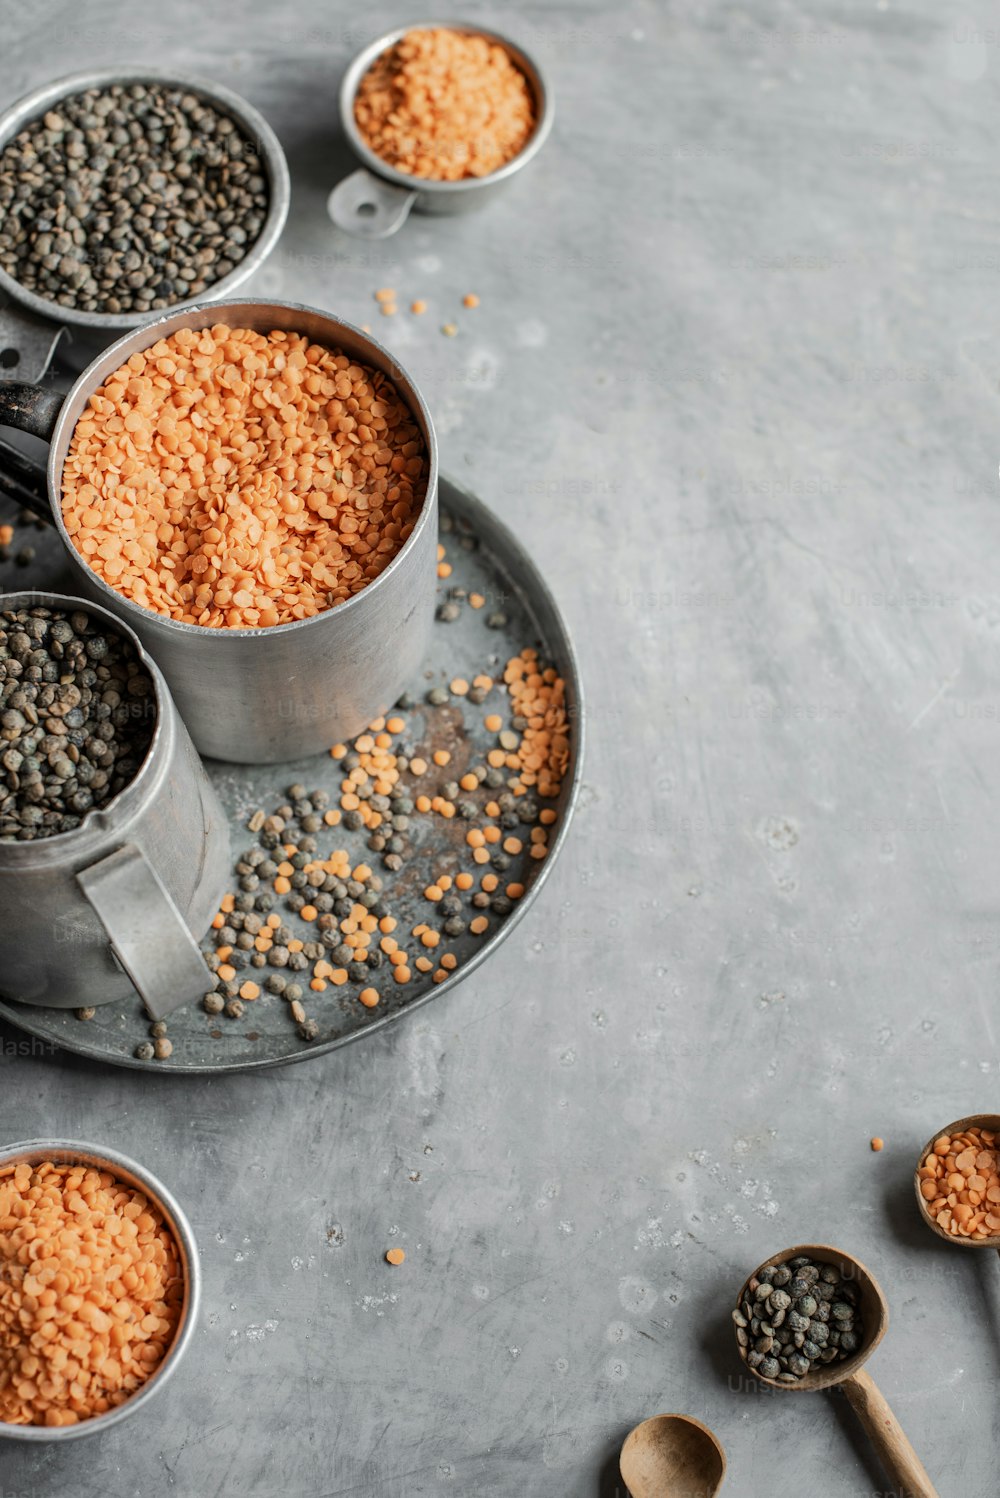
{"x":124,"y":194}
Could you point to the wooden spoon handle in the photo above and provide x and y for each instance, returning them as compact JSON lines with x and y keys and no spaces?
{"x":895,"y":1452}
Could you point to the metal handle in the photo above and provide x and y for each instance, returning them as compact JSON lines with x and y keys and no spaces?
{"x":148,"y":933}
{"x":30,"y":408}
{"x":27,"y":343}
{"x":363,"y":205}
{"x":23,"y":481}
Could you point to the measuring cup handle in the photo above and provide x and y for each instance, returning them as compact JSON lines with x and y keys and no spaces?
{"x":29,"y":408}
{"x":895,"y":1452}
{"x":27,"y":342}
{"x":23,"y":481}
{"x":363,"y":205}
{"x":147,"y":931}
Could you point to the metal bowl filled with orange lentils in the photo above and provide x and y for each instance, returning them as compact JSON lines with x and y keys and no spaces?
{"x":442,"y":115}
{"x":99,"y":1289}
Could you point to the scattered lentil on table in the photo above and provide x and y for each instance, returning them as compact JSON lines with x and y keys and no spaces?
{"x":395,"y":1256}
{"x":796,"y":1317}
{"x":232,"y":479}
{"x":445,"y":105}
{"x":128,"y":199}
{"x":91,"y":1291}
{"x":77,"y":713}
{"x":960,"y":1183}
{"x":25,"y":553}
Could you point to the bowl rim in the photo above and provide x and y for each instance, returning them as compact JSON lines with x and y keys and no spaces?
{"x":32,"y":105}
{"x":99,"y":1156}
{"x":523,"y":60}
{"x":87,"y":383}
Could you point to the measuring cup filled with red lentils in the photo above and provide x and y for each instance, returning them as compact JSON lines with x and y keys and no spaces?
{"x":442,"y":117}
{"x":100,"y":1289}
{"x":252,"y":487}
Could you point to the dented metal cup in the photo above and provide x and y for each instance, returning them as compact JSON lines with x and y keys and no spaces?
{"x":117,"y":905}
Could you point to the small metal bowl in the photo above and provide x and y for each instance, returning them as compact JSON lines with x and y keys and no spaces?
{"x":130,"y":1173}
{"x":376,"y":201}
{"x":19,"y":328}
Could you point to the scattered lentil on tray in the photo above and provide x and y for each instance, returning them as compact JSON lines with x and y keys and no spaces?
{"x":128,"y":199}
{"x":444,"y":105}
{"x":91,"y":1290}
{"x":337,"y":933}
{"x":231,"y":479}
{"x":77,"y":713}
{"x":796,"y":1317}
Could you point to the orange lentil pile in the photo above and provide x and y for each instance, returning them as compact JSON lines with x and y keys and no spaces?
{"x":90,"y":1293}
{"x":960,"y":1183}
{"x":445,"y":105}
{"x":234,"y":479}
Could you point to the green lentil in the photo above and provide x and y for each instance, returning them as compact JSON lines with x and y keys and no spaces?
{"x":128,"y":199}
{"x":77,"y":712}
{"x":783,"y":1329}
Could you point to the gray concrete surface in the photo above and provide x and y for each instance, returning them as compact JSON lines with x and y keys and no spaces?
{"x":735,"y":376}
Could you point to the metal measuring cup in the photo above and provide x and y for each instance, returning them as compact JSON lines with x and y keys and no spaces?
{"x":116,"y":904}
{"x":32,"y":325}
{"x":261,"y":695}
{"x":137,"y":1178}
{"x":376,"y":200}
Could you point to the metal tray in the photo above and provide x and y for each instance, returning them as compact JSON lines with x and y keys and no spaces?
{"x":486,"y":559}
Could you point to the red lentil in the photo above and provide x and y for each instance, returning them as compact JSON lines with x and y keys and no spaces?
{"x":91,"y":1290}
{"x":231,"y":479}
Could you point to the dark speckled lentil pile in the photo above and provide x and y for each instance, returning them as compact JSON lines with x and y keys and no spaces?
{"x":77,"y":712}
{"x":128,"y":199}
{"x":797,"y":1317}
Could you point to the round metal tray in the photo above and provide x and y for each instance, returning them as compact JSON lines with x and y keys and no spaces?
{"x":486,"y":559}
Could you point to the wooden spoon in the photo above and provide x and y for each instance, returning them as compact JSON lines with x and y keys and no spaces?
{"x":988,"y":1121}
{"x":897,"y":1456}
{"x":672,"y":1456}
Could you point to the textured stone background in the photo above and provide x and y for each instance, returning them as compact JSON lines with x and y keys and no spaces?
{"x":735,"y":379}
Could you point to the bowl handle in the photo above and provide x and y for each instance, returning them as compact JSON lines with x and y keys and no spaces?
{"x":148,"y":933}
{"x":23,"y":481}
{"x":897,"y":1456}
{"x":27,"y":343}
{"x":363,"y":205}
{"x":30,"y":408}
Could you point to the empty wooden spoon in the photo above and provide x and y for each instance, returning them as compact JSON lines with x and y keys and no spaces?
{"x":672,"y":1456}
{"x":991,"y":1123}
{"x":895,"y":1452}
